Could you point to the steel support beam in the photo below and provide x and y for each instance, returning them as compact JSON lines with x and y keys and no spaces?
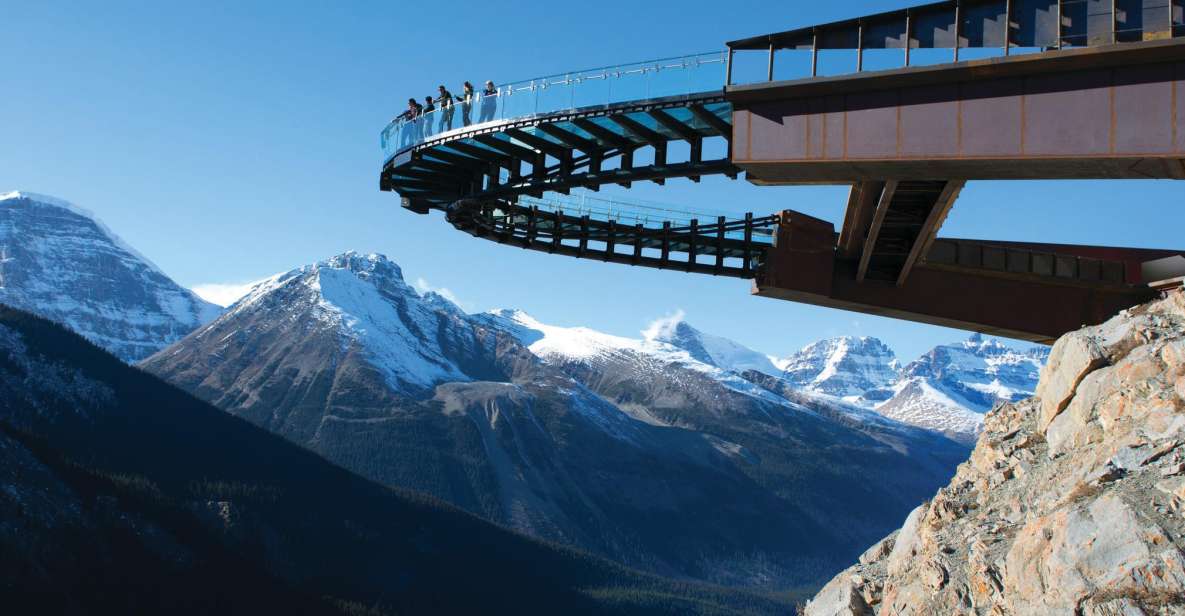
{"x":874,"y":229}
{"x":921,"y":245}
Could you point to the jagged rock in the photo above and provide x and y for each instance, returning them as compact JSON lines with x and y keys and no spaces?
{"x":879,"y":550}
{"x":841,"y":597}
{"x":1070,"y":503}
{"x":1072,"y":358}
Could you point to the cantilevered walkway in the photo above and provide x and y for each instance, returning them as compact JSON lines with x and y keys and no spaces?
{"x":904,"y":106}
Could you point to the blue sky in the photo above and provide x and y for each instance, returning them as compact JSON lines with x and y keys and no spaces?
{"x":231,"y":140}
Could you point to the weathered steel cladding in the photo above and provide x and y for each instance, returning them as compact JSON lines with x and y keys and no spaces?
{"x":987,"y":286}
{"x":1115,"y":112}
{"x":987,"y":23}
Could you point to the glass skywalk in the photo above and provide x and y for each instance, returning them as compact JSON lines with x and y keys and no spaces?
{"x":578,"y":90}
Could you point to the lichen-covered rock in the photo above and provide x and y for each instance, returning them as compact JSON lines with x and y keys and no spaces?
{"x":1073,"y":502}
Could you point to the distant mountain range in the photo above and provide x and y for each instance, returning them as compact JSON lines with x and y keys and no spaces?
{"x":948,"y":389}
{"x":634,"y":449}
{"x":678,"y":452}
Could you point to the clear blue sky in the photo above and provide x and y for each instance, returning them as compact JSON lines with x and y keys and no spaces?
{"x":231,"y":140}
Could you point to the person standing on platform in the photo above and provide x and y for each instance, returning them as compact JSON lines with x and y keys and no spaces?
{"x":445,"y":100}
{"x":489,"y":102}
{"x":409,"y":127}
{"x":466,"y":100}
{"x":426,"y":117}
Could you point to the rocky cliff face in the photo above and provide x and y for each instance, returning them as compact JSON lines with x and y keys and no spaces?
{"x":1072,"y":500}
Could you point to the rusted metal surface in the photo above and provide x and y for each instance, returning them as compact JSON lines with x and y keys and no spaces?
{"x":1119,"y":121}
{"x":1029,"y":291}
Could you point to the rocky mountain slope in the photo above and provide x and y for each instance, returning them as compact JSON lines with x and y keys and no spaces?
{"x":1071,"y":502}
{"x":59,"y":261}
{"x":120,"y":494}
{"x":632,"y":448}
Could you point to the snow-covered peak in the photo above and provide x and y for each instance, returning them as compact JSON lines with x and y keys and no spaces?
{"x":713,"y":350}
{"x":60,"y":261}
{"x":858,"y":369}
{"x":363,"y":300}
{"x":979,"y":371}
{"x":372,"y":266}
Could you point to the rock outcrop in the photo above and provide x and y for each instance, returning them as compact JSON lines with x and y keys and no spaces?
{"x":1071,"y":503}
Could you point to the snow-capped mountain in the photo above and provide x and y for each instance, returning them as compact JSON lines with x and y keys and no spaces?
{"x":599,"y":441}
{"x":712,"y":350}
{"x":858,"y":370}
{"x":949,"y":388}
{"x":57,"y":260}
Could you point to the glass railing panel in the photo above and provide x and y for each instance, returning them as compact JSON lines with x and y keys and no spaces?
{"x":518,"y":100}
{"x":670,"y":78}
{"x":591,"y":89}
{"x":706,"y":73}
{"x":931,"y":56}
{"x":979,"y":53}
{"x":883,"y":59}
{"x":555,"y":93}
{"x":791,"y":64}
{"x":837,"y":62}
{"x":629,"y":83}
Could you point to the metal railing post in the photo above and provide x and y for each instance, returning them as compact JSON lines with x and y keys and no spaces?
{"x":770,"y":67}
{"x":1007,"y":27}
{"x":860,"y":48}
{"x":728,"y":68}
{"x":815,"y":54}
{"x":908,"y":35}
{"x":958,"y":29}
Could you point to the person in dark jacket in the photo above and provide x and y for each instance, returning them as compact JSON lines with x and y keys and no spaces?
{"x":445,"y":100}
{"x":409,"y":128}
{"x":489,"y":102}
{"x":466,"y":100}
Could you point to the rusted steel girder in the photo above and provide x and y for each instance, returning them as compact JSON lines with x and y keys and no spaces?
{"x":1028,"y":291}
{"x":1102,"y":112}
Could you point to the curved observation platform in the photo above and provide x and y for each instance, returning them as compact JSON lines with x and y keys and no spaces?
{"x":612,"y":125}
{"x":904,"y":106}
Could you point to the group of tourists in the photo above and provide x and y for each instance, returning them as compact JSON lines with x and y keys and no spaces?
{"x":418,"y":119}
